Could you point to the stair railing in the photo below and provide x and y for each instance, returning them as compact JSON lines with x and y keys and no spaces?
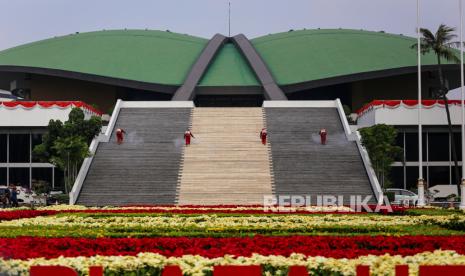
{"x":355,"y":136}
{"x":74,"y":194}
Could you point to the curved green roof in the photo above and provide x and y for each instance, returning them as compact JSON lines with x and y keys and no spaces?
{"x":307,"y":55}
{"x":165,"y":58}
{"x":229,"y":69}
{"x":139,"y":55}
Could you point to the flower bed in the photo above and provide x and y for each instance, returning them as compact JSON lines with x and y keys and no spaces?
{"x":325,"y":246}
{"x":18,"y":214}
{"x":143,"y":239}
{"x":228,"y":225}
{"x":152,"y":264}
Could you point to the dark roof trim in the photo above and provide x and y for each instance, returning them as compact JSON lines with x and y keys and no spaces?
{"x":363,"y":76}
{"x":272,"y":90}
{"x":187,"y":91}
{"x":229,"y":90}
{"x":169,"y":89}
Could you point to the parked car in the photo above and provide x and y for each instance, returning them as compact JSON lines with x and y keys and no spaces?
{"x":402,"y":196}
{"x":25,"y":196}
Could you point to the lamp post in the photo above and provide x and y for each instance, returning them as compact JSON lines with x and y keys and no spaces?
{"x":420,"y":182}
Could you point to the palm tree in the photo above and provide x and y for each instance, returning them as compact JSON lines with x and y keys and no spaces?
{"x":442,"y":45}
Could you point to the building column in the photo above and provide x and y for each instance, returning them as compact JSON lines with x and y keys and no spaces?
{"x":421,"y":192}
{"x":7,"y":160}
{"x":462,"y":194}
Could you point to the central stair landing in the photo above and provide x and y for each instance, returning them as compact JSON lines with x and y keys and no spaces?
{"x":226,"y":163}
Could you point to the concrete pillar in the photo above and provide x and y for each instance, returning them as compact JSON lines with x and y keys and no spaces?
{"x":421,"y":193}
{"x":462,"y":195}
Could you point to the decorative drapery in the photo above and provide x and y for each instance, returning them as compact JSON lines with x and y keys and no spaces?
{"x":405,"y":103}
{"x":50,"y":104}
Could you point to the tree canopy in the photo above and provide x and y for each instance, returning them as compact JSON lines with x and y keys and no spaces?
{"x":66,"y":144}
{"x":379,"y":141}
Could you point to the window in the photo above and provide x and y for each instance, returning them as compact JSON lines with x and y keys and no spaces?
{"x":458,"y":146}
{"x":36,"y":139}
{"x":42,"y":174}
{"x":19,"y":177}
{"x":19,"y":148}
{"x":438,"y":175}
{"x":396,"y":177}
{"x":411,"y":147}
{"x":453,"y":173}
{"x":3,"y":148}
{"x":412,"y":177}
{"x":3,"y":176}
{"x":438,"y":146}
{"x":407,"y":193}
{"x":400,"y":143}
{"x":59,"y":179}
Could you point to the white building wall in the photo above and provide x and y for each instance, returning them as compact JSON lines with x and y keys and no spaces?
{"x":36,"y":116}
{"x":407,"y":115}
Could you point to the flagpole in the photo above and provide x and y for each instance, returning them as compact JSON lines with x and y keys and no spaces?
{"x":229,"y":19}
{"x":462,"y":201}
{"x":420,"y":183}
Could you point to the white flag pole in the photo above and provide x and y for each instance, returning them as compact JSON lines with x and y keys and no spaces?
{"x":420,"y":183}
{"x":462,"y":201}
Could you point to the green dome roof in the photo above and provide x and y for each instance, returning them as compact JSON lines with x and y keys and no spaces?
{"x":146,"y":56}
{"x":308,"y":55}
{"x":165,"y":58}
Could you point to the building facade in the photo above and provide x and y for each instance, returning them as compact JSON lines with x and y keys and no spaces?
{"x":22,"y":126}
{"x":438,"y":162}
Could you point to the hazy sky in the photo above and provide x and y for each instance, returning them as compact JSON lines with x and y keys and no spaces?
{"x":23,"y":21}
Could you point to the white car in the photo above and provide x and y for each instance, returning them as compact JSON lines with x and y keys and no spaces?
{"x":404,"y":197}
{"x":24,"y":195}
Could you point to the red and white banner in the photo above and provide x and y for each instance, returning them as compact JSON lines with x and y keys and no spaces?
{"x":405,"y":103}
{"x":50,"y":104}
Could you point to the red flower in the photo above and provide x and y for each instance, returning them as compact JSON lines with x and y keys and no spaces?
{"x":337,"y":247}
{"x":18,"y":214}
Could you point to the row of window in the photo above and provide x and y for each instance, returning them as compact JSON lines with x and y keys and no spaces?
{"x":436,"y":146}
{"x":26,"y":177}
{"x":17,"y":148}
{"x":437,"y":149}
{"x":406,"y":177}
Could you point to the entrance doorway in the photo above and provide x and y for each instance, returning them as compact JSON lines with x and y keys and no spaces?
{"x":228,"y":101}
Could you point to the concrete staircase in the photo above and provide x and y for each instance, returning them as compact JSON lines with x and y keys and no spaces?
{"x":143,"y":170}
{"x":226,"y":164}
{"x":302,"y":166}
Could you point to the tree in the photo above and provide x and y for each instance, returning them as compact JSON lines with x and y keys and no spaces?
{"x":379,"y":141}
{"x":66,"y":144}
{"x":70,"y":152}
{"x":442,"y":45}
{"x":44,"y":151}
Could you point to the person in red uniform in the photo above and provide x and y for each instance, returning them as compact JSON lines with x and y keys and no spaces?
{"x":120,"y":135}
{"x":323,"y":134}
{"x":187,"y":136}
{"x":263,"y":135}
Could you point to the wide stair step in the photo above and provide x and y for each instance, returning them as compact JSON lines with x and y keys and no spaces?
{"x":302,"y":166}
{"x":145,"y":168}
{"x":226,"y":163}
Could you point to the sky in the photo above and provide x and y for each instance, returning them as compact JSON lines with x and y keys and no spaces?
{"x":23,"y":21}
